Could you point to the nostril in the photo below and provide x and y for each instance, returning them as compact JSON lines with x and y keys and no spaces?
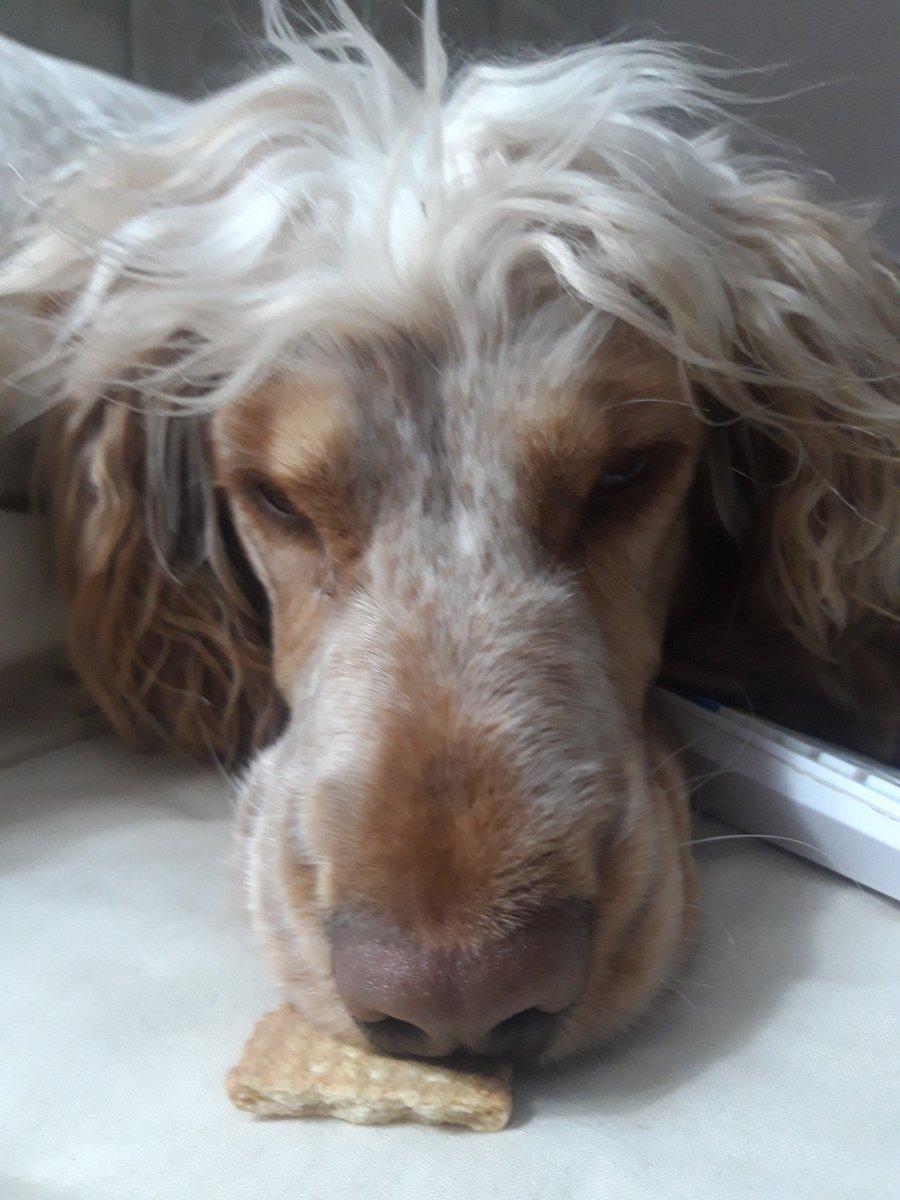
{"x":390,"y":1035}
{"x":517,"y":1023}
{"x":503,"y":995}
{"x":394,"y":1036}
{"x":526,"y":1032}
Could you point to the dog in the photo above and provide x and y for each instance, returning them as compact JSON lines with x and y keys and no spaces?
{"x":400,"y":436}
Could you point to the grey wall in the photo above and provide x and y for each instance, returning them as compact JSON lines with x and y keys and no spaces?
{"x":845,"y":53}
{"x":93,"y":31}
{"x":842,"y":57}
{"x":188,"y":46}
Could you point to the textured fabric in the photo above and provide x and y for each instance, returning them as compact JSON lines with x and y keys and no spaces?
{"x":50,"y":111}
{"x":130,"y":984}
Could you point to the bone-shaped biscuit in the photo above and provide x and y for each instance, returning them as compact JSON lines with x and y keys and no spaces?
{"x":289,"y":1069}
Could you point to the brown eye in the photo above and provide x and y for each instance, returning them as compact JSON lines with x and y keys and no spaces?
{"x":622,"y":471}
{"x":618,"y":490}
{"x":272,"y":502}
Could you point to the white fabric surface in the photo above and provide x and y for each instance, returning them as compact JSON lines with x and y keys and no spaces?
{"x":50,"y":111}
{"x":130,"y":984}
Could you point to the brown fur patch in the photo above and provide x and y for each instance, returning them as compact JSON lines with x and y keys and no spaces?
{"x":300,"y":436}
{"x":175,"y":654}
{"x":439,"y":842}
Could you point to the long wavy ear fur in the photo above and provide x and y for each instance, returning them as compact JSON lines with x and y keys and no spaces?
{"x":804,"y":464}
{"x":813,"y":459}
{"x":166,"y":625}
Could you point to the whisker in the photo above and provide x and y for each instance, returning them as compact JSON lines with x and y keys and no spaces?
{"x":761,"y":837}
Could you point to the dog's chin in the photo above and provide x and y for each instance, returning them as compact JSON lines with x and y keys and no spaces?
{"x":642,"y":921}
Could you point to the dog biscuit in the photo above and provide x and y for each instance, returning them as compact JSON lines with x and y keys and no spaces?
{"x":289,"y":1069}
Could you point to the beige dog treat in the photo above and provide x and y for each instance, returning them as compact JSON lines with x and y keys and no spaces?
{"x":289,"y":1069}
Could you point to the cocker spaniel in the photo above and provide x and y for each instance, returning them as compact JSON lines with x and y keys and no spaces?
{"x":401,"y":435}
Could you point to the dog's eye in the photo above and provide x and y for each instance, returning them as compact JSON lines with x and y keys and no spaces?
{"x":619,"y":488}
{"x":275,"y":504}
{"x":622,"y":470}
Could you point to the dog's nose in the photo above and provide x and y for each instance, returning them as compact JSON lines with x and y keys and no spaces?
{"x":501,"y":995}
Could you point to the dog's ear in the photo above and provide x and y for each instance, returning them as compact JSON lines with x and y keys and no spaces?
{"x":167,"y":626}
{"x":805,"y":446}
{"x":144,"y":289}
{"x":803,"y":470}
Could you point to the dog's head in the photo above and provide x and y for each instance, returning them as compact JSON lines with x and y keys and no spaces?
{"x":464,"y":373}
{"x":469,"y":570}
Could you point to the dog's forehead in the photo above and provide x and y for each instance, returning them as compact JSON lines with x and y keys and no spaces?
{"x":432,"y":393}
{"x":383,"y":403}
{"x":418,"y":416}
